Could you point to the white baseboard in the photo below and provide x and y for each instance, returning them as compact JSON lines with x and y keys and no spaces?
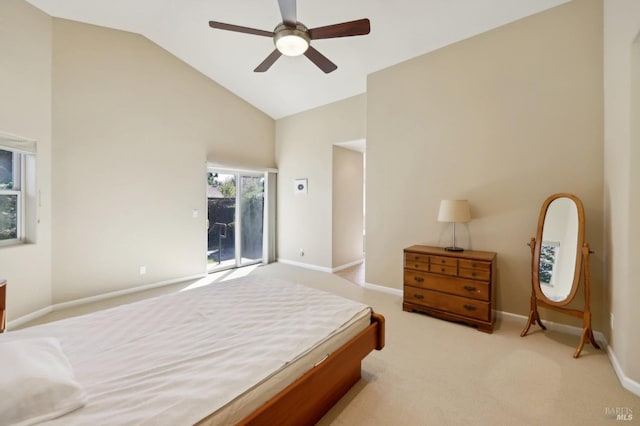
{"x":29,"y":317}
{"x":72,"y":303}
{"x":320,"y":268}
{"x":347,"y":265}
{"x":375,"y":287}
{"x":627,"y":383}
{"x":305,"y":265}
{"x":99,"y":297}
{"x":383,"y":289}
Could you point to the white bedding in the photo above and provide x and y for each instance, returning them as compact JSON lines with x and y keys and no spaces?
{"x":175,"y":359}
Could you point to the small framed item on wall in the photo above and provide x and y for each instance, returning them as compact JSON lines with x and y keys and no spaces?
{"x":300,"y":186}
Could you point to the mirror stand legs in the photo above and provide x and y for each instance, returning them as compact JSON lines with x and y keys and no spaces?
{"x":587,"y":333}
{"x":534,"y":316}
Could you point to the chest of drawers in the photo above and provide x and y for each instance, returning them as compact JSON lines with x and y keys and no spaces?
{"x":456,"y":286}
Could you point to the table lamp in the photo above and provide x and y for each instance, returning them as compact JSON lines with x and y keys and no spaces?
{"x":455,"y":211}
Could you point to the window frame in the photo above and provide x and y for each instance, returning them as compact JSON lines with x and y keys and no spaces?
{"x":19,"y":177}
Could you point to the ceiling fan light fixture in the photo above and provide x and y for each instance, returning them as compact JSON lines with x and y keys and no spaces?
{"x":291,"y":38}
{"x":291,"y":41}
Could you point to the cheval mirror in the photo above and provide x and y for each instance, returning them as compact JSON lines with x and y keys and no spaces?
{"x":559,"y":259}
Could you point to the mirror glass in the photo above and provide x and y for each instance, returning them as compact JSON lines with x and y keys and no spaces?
{"x":559,"y":249}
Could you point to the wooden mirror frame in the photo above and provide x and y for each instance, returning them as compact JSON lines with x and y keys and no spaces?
{"x":581,"y":270}
{"x":537,"y":248}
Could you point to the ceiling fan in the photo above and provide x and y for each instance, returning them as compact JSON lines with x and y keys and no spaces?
{"x":292,"y":38}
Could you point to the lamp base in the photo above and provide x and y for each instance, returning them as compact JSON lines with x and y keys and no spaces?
{"x":454,"y":249}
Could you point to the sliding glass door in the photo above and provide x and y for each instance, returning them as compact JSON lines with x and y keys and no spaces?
{"x":221,"y":215}
{"x":235,"y":231}
{"x":251,"y":201}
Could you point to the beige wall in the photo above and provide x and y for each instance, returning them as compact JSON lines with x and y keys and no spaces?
{"x":503,"y":119}
{"x":25,"y":110}
{"x":304,"y":149}
{"x":348,"y":179}
{"x":124,"y":131}
{"x":622,"y":165}
{"x":133,"y":127}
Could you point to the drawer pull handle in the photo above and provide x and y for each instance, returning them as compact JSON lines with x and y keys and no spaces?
{"x":469,"y":307}
{"x":473,"y":274}
{"x":418,"y":296}
{"x":441,"y":269}
{"x":469,"y":288}
{"x":418,"y":279}
{"x":416,"y":266}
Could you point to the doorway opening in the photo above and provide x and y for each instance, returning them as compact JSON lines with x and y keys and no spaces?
{"x":348,"y":209}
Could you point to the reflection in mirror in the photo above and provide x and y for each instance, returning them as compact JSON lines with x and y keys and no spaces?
{"x":559,"y":249}
{"x":548,"y":260}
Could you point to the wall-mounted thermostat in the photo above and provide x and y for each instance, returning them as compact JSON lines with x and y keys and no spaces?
{"x":300,"y":186}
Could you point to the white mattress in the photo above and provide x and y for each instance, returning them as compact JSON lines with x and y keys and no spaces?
{"x":175,"y":359}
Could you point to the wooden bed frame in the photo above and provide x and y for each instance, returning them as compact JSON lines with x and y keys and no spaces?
{"x":307,"y":399}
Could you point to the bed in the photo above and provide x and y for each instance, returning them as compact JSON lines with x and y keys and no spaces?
{"x":253,"y":350}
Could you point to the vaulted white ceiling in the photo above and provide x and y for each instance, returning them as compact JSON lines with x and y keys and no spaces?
{"x":400,"y":30}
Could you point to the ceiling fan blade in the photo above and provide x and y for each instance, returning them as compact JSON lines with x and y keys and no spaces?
{"x":266,"y":64}
{"x":320,"y":60}
{"x":345,"y":29}
{"x":288,"y":12}
{"x":239,"y":29}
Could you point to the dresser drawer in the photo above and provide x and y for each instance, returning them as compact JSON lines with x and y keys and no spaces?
{"x":415,"y":257}
{"x":474,"y":274}
{"x":474,"y":269}
{"x":414,"y":264}
{"x":467,"y":288}
{"x":444,"y":269}
{"x":448,"y":303}
{"x":474,"y":264}
{"x":415,"y":278}
{"x":444,"y":261}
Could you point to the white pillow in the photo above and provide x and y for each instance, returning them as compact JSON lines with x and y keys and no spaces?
{"x":36,"y":382}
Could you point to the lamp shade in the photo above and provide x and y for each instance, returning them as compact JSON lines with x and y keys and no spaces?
{"x":454,"y":211}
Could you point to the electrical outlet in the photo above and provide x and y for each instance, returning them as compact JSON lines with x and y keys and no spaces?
{"x":143,"y":270}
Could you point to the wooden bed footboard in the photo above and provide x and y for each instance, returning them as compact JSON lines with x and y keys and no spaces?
{"x":307,"y":399}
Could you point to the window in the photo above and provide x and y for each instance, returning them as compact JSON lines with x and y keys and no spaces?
{"x":17,"y":177}
{"x":11,"y":216}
